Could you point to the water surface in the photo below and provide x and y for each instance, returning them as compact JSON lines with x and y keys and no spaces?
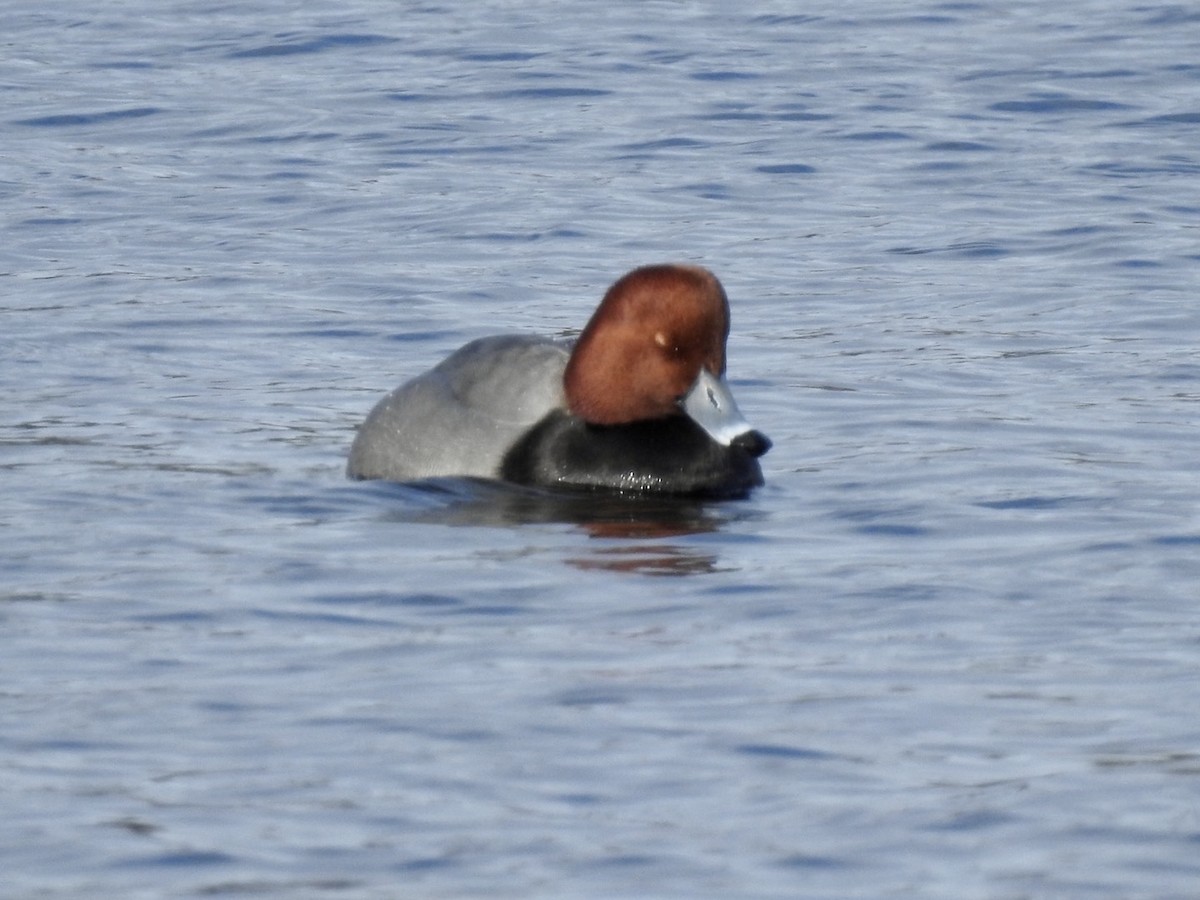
{"x":948,"y":651}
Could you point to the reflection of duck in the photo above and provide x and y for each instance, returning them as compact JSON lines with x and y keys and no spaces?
{"x":476,"y":501}
{"x":653,"y":559}
{"x":635,"y":532}
{"x":640,"y":402}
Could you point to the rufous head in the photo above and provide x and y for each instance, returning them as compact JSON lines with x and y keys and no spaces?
{"x":645,"y":345}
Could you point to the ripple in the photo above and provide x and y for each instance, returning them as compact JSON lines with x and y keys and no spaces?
{"x":98,"y":118}
{"x":1183,"y":118}
{"x":1047,"y":104}
{"x":783,"y":751}
{"x":314,"y":45}
{"x":550,"y":93}
{"x":882,"y":134}
{"x":959,"y":147}
{"x":786,"y":169}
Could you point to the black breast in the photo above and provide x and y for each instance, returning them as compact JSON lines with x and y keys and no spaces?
{"x":663,"y":456}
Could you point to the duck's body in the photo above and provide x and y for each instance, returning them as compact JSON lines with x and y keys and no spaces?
{"x":461,"y":416}
{"x":638,"y":403}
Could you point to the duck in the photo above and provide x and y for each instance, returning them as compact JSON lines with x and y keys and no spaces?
{"x":638,"y":403}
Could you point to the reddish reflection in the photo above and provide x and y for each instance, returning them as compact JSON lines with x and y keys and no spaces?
{"x":636,"y":533}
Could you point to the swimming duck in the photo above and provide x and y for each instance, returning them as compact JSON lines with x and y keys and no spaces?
{"x":638,"y":403}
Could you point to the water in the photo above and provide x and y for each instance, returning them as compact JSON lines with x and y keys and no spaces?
{"x":950,"y":649}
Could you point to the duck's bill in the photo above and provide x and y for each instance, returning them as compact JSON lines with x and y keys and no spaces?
{"x":710,"y":405}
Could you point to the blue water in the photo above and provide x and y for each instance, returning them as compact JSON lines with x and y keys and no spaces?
{"x":951,"y":650}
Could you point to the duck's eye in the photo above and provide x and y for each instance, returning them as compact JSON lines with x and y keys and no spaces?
{"x":662,"y":340}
